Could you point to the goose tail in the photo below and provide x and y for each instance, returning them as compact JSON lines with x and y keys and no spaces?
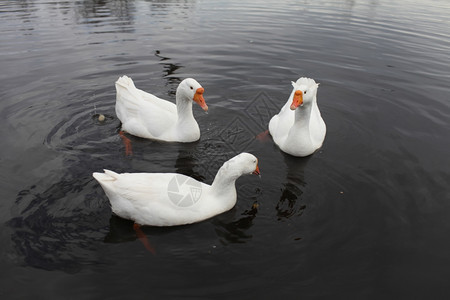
{"x":107,"y":176}
{"x":125,"y":82}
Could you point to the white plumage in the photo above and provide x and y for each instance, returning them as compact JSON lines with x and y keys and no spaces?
{"x":147,"y":116}
{"x":168,"y":199}
{"x":298,"y":129}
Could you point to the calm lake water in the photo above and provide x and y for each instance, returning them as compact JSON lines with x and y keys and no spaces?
{"x":366,"y":217}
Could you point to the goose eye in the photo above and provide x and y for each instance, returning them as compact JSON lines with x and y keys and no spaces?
{"x":192,"y":88}
{"x":305,"y":92}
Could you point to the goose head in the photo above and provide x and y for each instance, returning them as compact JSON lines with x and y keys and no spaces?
{"x":189,"y":89}
{"x":245,"y":163}
{"x":305,"y":90}
{"x":241,"y":164}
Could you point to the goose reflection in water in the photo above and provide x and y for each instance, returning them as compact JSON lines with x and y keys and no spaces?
{"x":289,"y":204}
{"x":232,"y":230}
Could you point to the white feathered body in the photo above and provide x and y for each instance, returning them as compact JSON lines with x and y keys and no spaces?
{"x":299,"y":132}
{"x":169,"y":199}
{"x":148,"y":198}
{"x":145,"y":115}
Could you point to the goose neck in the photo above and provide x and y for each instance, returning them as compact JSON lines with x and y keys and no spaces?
{"x":302,"y":115}
{"x":224,"y":179}
{"x":184,"y":108}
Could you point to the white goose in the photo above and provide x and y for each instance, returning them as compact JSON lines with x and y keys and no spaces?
{"x":298,"y":129}
{"x":147,"y":116}
{"x":168,"y":199}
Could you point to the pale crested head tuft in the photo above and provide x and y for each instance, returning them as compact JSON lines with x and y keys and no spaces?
{"x":309,"y":82}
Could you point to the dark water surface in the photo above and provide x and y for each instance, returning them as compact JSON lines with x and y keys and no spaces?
{"x":368,"y":216}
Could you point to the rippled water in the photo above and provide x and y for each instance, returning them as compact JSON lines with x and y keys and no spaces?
{"x":365,"y":217}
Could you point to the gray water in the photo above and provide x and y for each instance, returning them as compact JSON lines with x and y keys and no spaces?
{"x":367,"y":216}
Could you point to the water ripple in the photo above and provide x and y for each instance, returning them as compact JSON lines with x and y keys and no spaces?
{"x":376,"y":189}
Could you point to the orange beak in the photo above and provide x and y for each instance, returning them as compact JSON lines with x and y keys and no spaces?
{"x":256,"y":172}
{"x":297,"y":100}
{"x":198,"y":98}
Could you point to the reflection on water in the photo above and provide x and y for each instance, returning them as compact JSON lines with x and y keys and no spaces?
{"x":99,"y":12}
{"x":120,"y":230}
{"x":290,"y":203}
{"x":228,"y":228}
{"x":56,"y":229}
{"x":235,"y":231}
{"x":187,"y":162}
{"x":169,"y":69}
